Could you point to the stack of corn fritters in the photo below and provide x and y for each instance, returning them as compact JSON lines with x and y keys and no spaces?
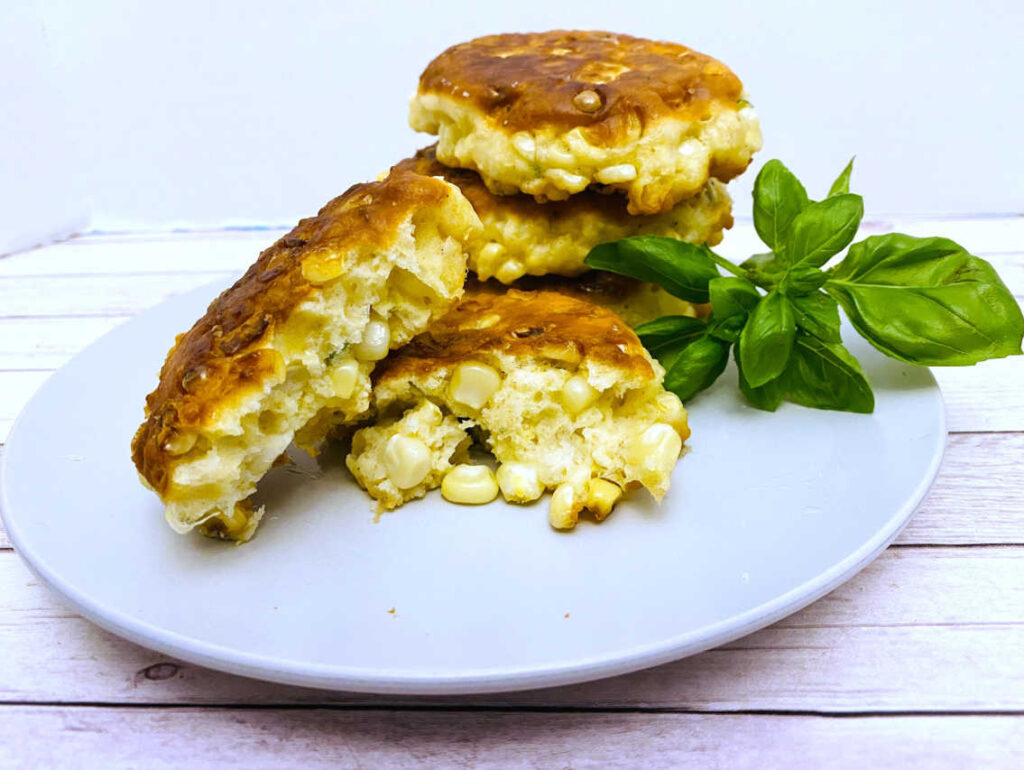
{"x":548,"y":144}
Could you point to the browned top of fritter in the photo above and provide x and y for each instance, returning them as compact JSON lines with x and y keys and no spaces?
{"x":491,"y":206}
{"x":221,"y":354}
{"x":525,"y":324}
{"x":600,"y":81}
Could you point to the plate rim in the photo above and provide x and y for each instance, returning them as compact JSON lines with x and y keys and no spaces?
{"x":478,"y":681}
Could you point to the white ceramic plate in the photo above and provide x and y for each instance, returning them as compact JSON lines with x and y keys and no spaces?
{"x":767,"y":513}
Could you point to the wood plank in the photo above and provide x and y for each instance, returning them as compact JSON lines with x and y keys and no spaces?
{"x":985,"y":397}
{"x":214,"y":738}
{"x":858,"y":649}
{"x":977,"y":497}
{"x":230,"y":250}
{"x":91,"y":295}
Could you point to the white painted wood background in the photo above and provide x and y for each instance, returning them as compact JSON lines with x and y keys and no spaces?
{"x":919,"y":659}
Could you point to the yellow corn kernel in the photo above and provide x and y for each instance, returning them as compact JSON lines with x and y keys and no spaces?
{"x":376,"y":341}
{"x":565,"y":508}
{"x":602,"y":495}
{"x":321,"y":269}
{"x":236,"y":521}
{"x":578,"y":394}
{"x":344,"y":376}
{"x":519,"y":482}
{"x":565,"y":180}
{"x":180,"y":443}
{"x":658,"y":448}
{"x":470,"y":485}
{"x":406,"y":460}
{"x":473,"y":384}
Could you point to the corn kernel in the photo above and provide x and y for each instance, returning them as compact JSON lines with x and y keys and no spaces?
{"x":565,"y":180}
{"x":565,"y":508}
{"x":659,"y":448}
{"x":625,"y":172}
{"x":473,"y":384}
{"x":406,"y":460}
{"x":602,"y":495}
{"x":321,"y":269}
{"x":344,"y":376}
{"x":180,"y":443}
{"x":376,"y":341}
{"x":578,"y":394}
{"x":519,"y":482}
{"x":524,"y":144}
{"x":470,"y":485}
{"x":236,"y":521}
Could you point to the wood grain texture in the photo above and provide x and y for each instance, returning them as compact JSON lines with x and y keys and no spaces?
{"x":926,"y":633}
{"x":978,"y":497}
{"x":205,"y":738}
{"x":919,"y":630}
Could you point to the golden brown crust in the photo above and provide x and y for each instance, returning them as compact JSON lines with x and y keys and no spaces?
{"x":220,"y":357}
{"x":487,"y":205}
{"x":599,"y":81}
{"x":536,"y":324}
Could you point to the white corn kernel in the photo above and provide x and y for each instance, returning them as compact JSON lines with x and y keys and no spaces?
{"x":376,"y":341}
{"x":659,"y":448}
{"x":564,"y":180}
{"x":473,"y":384}
{"x":565,"y":509}
{"x":519,"y":482}
{"x":469,"y":484}
{"x":578,"y":394}
{"x":624,"y":172}
{"x":343,"y":377}
{"x":406,"y":460}
{"x":602,"y":495}
{"x":524,"y":144}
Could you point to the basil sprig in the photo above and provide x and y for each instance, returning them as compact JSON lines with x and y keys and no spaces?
{"x":926,"y":301}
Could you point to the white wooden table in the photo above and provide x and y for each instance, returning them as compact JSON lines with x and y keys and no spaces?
{"x":920,"y":658}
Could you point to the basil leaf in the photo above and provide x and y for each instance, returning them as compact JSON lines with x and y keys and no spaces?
{"x":778,"y":198}
{"x":842,"y":183}
{"x":825,"y":228}
{"x":825,"y":375}
{"x":769,"y":267}
{"x":927,"y":301}
{"x":767,"y":339}
{"x":697,"y":367}
{"x":680,"y":268}
{"x":669,"y":334}
{"x":768,"y":397}
{"x":731,"y":295}
{"x":818,"y":314}
{"x":803,"y":279}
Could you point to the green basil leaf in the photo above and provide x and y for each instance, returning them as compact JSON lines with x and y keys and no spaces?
{"x":696,"y":367}
{"x":778,"y":198}
{"x":768,"y":397}
{"x":825,"y":375}
{"x":767,"y":339}
{"x":825,"y":228}
{"x":768,"y":267}
{"x":731,"y":295}
{"x":680,"y":268}
{"x":670,"y":333}
{"x":927,"y":301}
{"x":803,"y":279}
{"x":727,"y":329}
{"x":818,"y":314}
{"x":842,"y":183}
